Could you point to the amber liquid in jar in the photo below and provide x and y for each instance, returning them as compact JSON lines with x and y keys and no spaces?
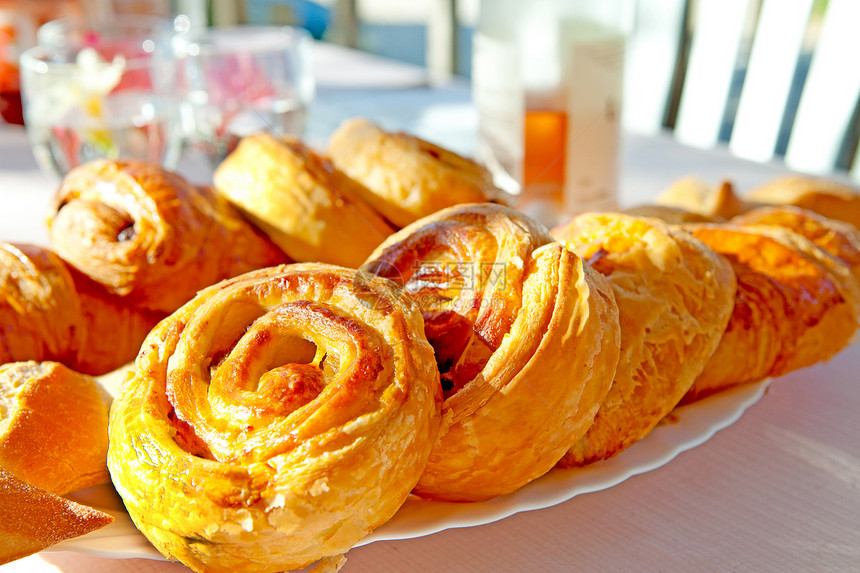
{"x":544,"y":149}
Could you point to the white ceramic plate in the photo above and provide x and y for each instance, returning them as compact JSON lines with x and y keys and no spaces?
{"x":685,"y":428}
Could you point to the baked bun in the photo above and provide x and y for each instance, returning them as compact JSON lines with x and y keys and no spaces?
{"x":675,"y":296}
{"x":275,"y":419}
{"x":698,"y":196}
{"x":307,"y":207}
{"x":526,"y":339}
{"x":795,"y":305}
{"x":405,"y":177}
{"x":53,"y":427}
{"x":828,"y":198}
{"x":149,"y":236}
{"x":671,"y":215}
{"x":32,"y":519}
{"x":56,"y":313}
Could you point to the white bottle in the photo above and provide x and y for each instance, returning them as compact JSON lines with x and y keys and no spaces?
{"x":548,"y":79}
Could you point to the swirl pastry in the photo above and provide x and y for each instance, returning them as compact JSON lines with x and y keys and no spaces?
{"x":53,"y":427}
{"x":275,"y":419}
{"x":149,"y":236}
{"x":32,"y":519}
{"x":827,"y":198}
{"x":526,"y":339}
{"x":49,"y":311}
{"x":405,"y":177}
{"x":311,"y":210}
{"x":795,"y":306}
{"x":674,"y":298}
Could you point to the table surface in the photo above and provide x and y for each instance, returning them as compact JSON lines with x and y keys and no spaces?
{"x":779,"y":490}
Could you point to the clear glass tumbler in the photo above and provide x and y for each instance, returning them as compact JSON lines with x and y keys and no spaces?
{"x":97,"y":91}
{"x":241,"y":80}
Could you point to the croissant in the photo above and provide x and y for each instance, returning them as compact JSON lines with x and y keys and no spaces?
{"x":53,"y":427}
{"x":32,"y":519}
{"x":311,"y":210}
{"x":526,"y":341}
{"x":795,"y":305}
{"x":406,"y":178}
{"x":675,"y":296}
{"x":830,"y":199}
{"x":48,"y":311}
{"x":275,"y":419}
{"x":150,"y":236}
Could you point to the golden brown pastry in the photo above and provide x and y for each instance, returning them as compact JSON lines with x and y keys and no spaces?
{"x":837,"y":238}
{"x":49,"y":311}
{"x":526,"y":339}
{"x":795,"y":306}
{"x":311,"y":210}
{"x":827,"y":198}
{"x":32,"y":519}
{"x":671,"y":215}
{"x":275,"y":419}
{"x":53,"y":427}
{"x":149,"y":236}
{"x":697,"y":196}
{"x":674,"y":297}
{"x":405,"y":177}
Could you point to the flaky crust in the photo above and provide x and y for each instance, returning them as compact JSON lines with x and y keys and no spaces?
{"x":827,"y":198}
{"x":275,"y":419}
{"x":406,"y":177}
{"x":795,"y":305}
{"x":526,"y":338}
{"x":674,"y":298}
{"x":32,"y":519}
{"x":311,"y":210}
{"x":150,"y":236}
{"x":53,"y":427}
{"x":49,"y":311}
{"x":839,"y":239}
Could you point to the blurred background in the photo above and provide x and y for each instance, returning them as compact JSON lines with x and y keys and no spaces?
{"x":669,"y":42}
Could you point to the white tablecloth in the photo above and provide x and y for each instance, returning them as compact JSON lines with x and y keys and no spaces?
{"x":779,"y":490}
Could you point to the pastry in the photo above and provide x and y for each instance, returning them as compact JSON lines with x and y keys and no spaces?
{"x":32,"y":519}
{"x":49,"y":311}
{"x":275,"y":419}
{"x":526,"y":340}
{"x":828,"y":198}
{"x":697,"y":196}
{"x":150,"y":236}
{"x":667,"y":214}
{"x":311,"y":210}
{"x":795,"y":305}
{"x":674,"y":298}
{"x":837,"y":238}
{"x":53,"y":427}
{"x":405,"y":177}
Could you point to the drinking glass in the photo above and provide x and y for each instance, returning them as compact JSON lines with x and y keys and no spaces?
{"x":96,"y":91}
{"x":240,"y":80}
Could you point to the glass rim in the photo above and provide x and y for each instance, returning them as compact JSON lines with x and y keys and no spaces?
{"x":221,"y":40}
{"x":39,"y":59}
{"x":157,"y":24}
